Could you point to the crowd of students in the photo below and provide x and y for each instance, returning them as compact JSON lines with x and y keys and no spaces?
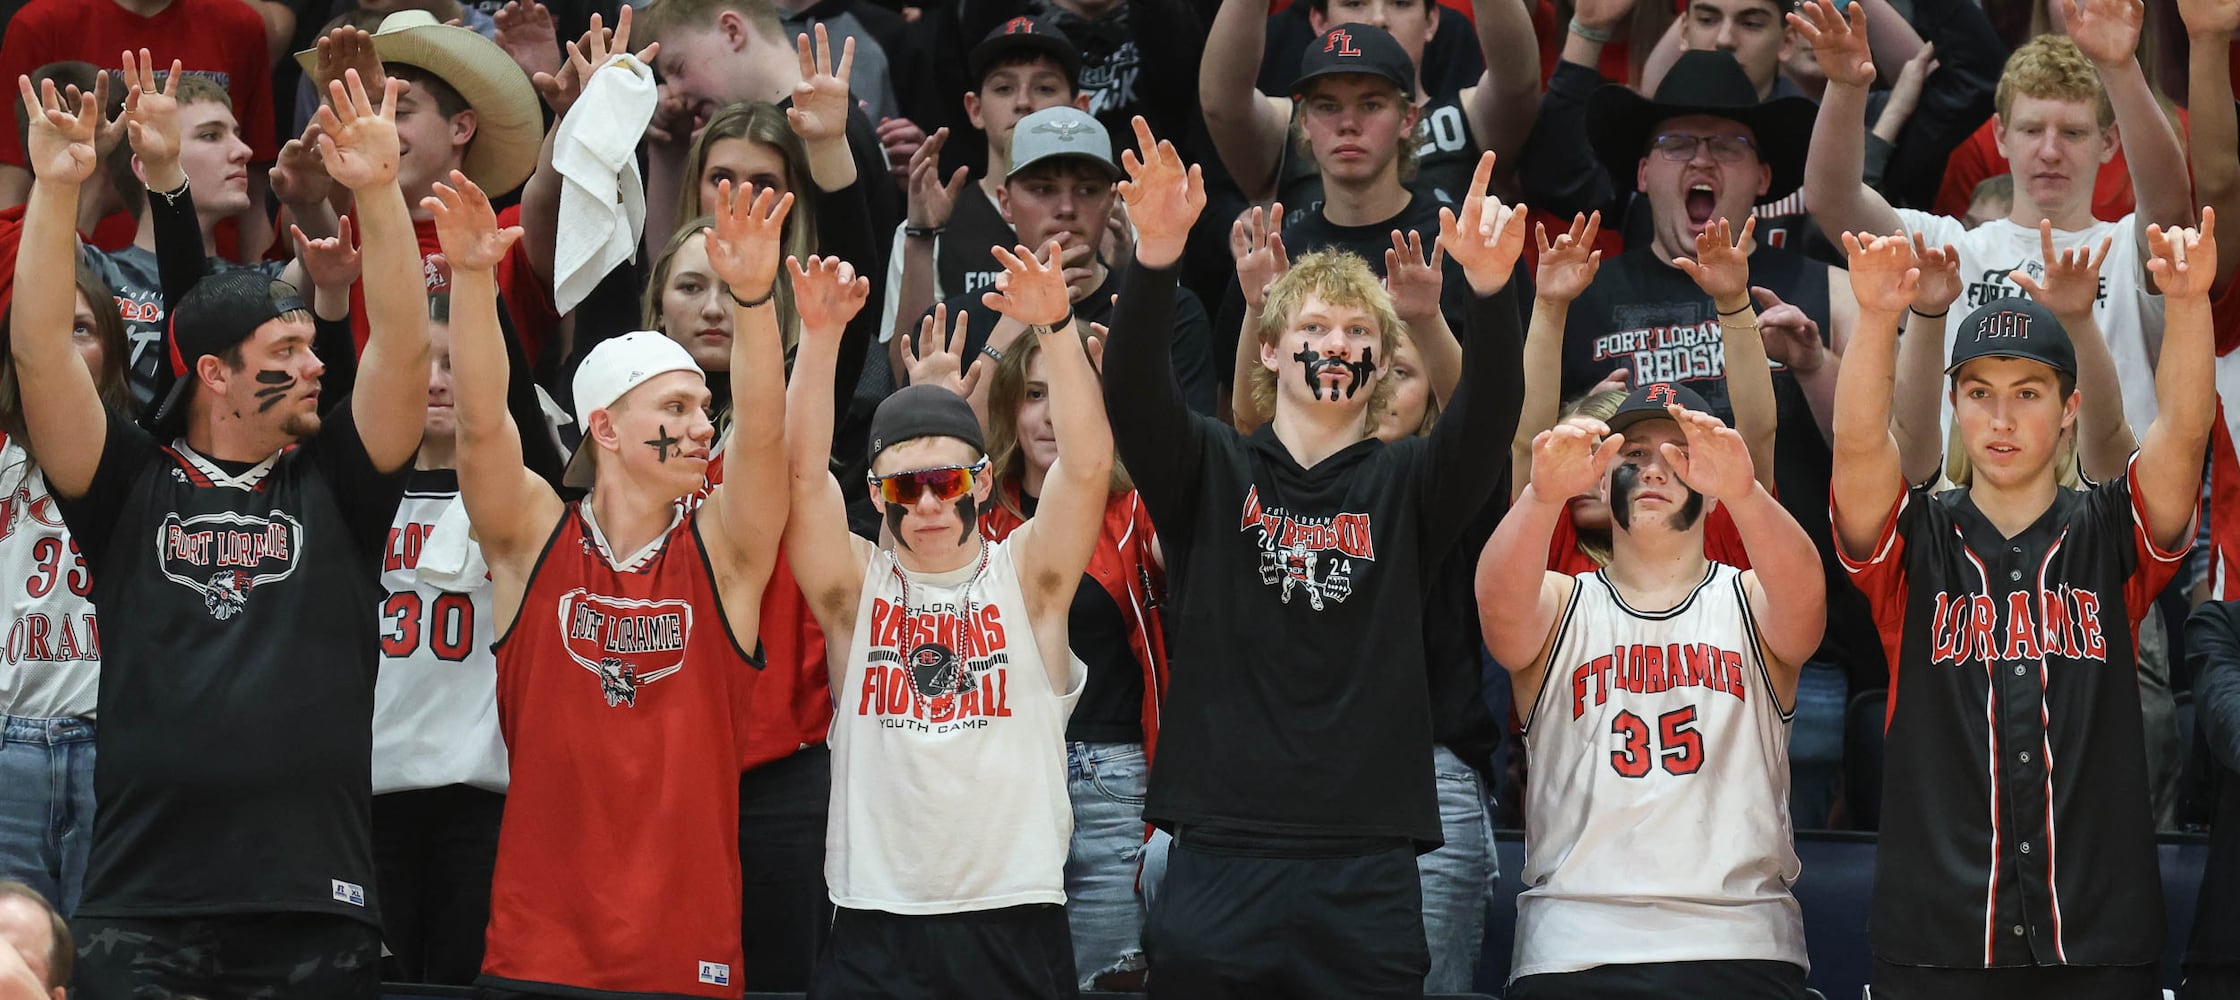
{"x":697,"y":508}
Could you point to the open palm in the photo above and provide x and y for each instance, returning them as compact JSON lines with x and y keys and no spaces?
{"x":2107,"y":31}
{"x":827,"y":293}
{"x":1883,"y":274}
{"x":820,"y":100}
{"x":59,"y":144}
{"x":358,"y":143}
{"x":1717,"y":460}
{"x":466,"y":226}
{"x":1163,"y":196}
{"x":748,"y":238}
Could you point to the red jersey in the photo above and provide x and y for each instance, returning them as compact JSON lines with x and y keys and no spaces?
{"x":527,"y":299}
{"x":219,"y":39}
{"x":1722,"y":543}
{"x":618,"y":863}
{"x":787,"y":705}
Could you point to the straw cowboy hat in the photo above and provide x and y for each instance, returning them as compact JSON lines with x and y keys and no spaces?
{"x":509,"y":127}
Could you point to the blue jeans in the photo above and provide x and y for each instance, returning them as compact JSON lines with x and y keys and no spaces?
{"x":1457,"y":878}
{"x":1106,"y":783}
{"x":46,"y":805}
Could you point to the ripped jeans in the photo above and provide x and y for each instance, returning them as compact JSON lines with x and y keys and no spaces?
{"x":1106,"y":782}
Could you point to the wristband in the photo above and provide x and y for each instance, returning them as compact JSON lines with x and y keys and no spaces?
{"x":992,"y":353}
{"x":922,"y":232}
{"x":1600,"y":36}
{"x":1934,"y":315}
{"x":764,"y":300}
{"x":1040,"y":329}
{"x":1724,"y":313}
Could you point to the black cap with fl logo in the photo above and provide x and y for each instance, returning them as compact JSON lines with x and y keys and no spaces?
{"x":1361,"y":49}
{"x":1648,"y":403}
{"x":2013,"y":327}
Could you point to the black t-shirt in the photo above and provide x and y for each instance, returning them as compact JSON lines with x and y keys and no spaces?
{"x":237,"y":677}
{"x":1446,"y":160}
{"x":964,"y":260}
{"x":1110,"y":709}
{"x":1193,"y":334}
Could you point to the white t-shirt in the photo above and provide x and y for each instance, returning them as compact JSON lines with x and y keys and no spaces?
{"x":2126,"y":310}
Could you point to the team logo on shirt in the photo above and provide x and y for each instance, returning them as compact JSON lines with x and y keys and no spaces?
{"x":1315,"y":556}
{"x":2058,"y":621}
{"x":936,"y":668}
{"x":223,"y":557}
{"x":627,"y":643}
{"x":1997,"y":283}
{"x":1664,"y":352}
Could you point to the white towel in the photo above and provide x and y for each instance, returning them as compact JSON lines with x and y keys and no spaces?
{"x":602,"y":198}
{"x":451,"y":559}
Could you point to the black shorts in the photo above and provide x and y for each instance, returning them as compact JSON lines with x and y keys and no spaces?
{"x":1233,"y":926}
{"x":1733,"y":980}
{"x":2210,"y":982}
{"x":2029,"y":982}
{"x":253,"y":955}
{"x":1022,"y":952}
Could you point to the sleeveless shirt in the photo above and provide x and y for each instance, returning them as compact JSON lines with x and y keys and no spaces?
{"x":435,"y":703}
{"x":51,"y":665}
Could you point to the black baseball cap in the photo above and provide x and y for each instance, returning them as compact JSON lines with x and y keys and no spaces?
{"x":2013,"y":328}
{"x":220,"y":311}
{"x":923,"y":411}
{"x":1362,"y":49}
{"x":1023,"y":36}
{"x":1648,"y":403}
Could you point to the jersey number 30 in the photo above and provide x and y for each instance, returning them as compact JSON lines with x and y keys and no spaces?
{"x":1679,"y":745}
{"x":448,"y":620}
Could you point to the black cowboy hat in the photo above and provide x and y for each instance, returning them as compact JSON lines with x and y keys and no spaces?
{"x":1620,"y":122}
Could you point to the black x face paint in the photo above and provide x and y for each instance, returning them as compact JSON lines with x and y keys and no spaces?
{"x":1313,"y":364}
{"x":662,"y":444}
{"x":277,"y":384}
{"x":1626,"y":479}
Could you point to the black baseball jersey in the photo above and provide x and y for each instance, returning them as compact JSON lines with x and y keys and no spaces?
{"x":2015,"y":825}
{"x":239,"y":655}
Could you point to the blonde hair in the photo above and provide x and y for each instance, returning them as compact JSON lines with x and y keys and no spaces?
{"x":758,"y":122}
{"x":1340,"y":278}
{"x":1007,"y":458}
{"x":2068,"y":468}
{"x":1600,"y":406}
{"x":660,"y":17}
{"x":2052,"y":68}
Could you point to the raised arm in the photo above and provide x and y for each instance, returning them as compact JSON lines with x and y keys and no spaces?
{"x":1788,"y":587}
{"x":928,"y":206}
{"x":512,"y":509}
{"x":1485,"y":238}
{"x":1721,"y":267}
{"x":2104,"y":439}
{"x":1834,"y":165}
{"x":1501,"y":108}
{"x":819,"y":114}
{"x":61,"y":409}
{"x":2168,"y":476}
{"x":2107,"y":31}
{"x":1256,"y":241}
{"x":2214,"y":131}
{"x":359,"y":147}
{"x":1567,"y":267}
{"x":1866,"y":482}
{"x":1518,"y":599}
{"x":1249,"y":128}
{"x":1152,"y":428}
{"x":743,"y":251}
{"x":826,"y":560}
{"x":1415,"y":284}
{"x":1917,"y":400}
{"x":560,"y":88}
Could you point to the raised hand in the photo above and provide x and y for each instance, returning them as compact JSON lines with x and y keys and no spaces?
{"x":466,"y":226}
{"x":2184,"y":260}
{"x":902,"y":139}
{"x":151,"y":115}
{"x":1031,"y":289}
{"x":1721,"y":266}
{"x":1605,"y":14}
{"x":344,"y":49}
{"x":58,"y":145}
{"x":1940,"y":282}
{"x":1839,"y":41}
{"x":1258,"y":248}
{"x":1413,"y":281}
{"x":359,"y":144}
{"x":1567,"y":463}
{"x":1487,"y":237}
{"x":1118,"y":244}
{"x":820,"y":100}
{"x":1716,"y":462}
{"x":748,"y":239}
{"x":930,"y":201}
{"x":938,"y":359}
{"x":2218,"y":18}
{"x":525,"y":31}
{"x":334,"y":262}
{"x":827,"y":293}
{"x":1163,"y":197}
{"x":2072,"y":281}
{"x":585,"y":56}
{"x":2107,"y":31}
{"x":1792,"y":338}
{"x":1905,"y":94}
{"x":1883,"y":274}
{"x":1568,"y":265}
{"x":298,"y":177}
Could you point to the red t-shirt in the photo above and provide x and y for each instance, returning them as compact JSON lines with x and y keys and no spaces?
{"x":1977,"y":159}
{"x":219,"y":39}
{"x":1722,"y":543}
{"x":528,"y":300}
{"x":618,"y":864}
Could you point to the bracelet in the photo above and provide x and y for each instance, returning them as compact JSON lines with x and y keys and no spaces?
{"x":763,"y":301}
{"x":1724,"y":313}
{"x":171,"y":198}
{"x":992,"y":353}
{"x":1934,"y":315}
{"x":1600,"y":36}
{"x":1750,"y":324}
{"x":1040,"y":329}
{"x":922,"y":232}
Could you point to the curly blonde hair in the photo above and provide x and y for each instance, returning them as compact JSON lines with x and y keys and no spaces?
{"x":1340,"y":278}
{"x":2051,"y":67}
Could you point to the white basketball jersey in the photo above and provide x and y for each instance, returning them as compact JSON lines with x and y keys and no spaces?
{"x":948,"y":747}
{"x":435,"y":704}
{"x":51,"y":665}
{"x":1657,"y":817}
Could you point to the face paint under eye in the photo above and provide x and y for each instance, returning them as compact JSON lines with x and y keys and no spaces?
{"x":276,"y":385}
{"x":662,"y":444}
{"x":1626,"y":478}
{"x":1314,"y":364}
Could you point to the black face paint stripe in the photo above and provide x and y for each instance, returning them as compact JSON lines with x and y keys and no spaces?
{"x":1314,"y":364}
{"x":662,"y":444}
{"x":968,"y":511}
{"x":1623,"y":481}
{"x":276,"y":387}
{"x":895,"y":513}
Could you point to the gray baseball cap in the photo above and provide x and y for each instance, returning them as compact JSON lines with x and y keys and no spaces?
{"x":1060,"y":131}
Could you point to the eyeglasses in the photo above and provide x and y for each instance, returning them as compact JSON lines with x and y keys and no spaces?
{"x":1724,"y":148}
{"x":946,"y":483}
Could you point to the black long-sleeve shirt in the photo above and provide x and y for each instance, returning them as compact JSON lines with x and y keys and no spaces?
{"x":1298,"y":706}
{"x":2213,"y":651}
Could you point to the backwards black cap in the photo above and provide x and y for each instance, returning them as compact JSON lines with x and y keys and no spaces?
{"x":923,"y":411}
{"x":220,"y":311}
{"x":2013,"y":327}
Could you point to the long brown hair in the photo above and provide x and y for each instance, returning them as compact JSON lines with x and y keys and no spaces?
{"x":764,"y":123}
{"x":109,"y":382}
{"x":1007,"y":457}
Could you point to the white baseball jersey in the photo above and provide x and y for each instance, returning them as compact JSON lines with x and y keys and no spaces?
{"x":948,"y":746}
{"x":1657,"y":821}
{"x":50,"y":666}
{"x":435,"y":704}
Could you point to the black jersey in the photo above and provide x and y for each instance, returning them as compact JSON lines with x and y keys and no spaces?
{"x":1446,"y":160}
{"x":964,"y":259}
{"x":237,"y":680}
{"x":2015,"y":826}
